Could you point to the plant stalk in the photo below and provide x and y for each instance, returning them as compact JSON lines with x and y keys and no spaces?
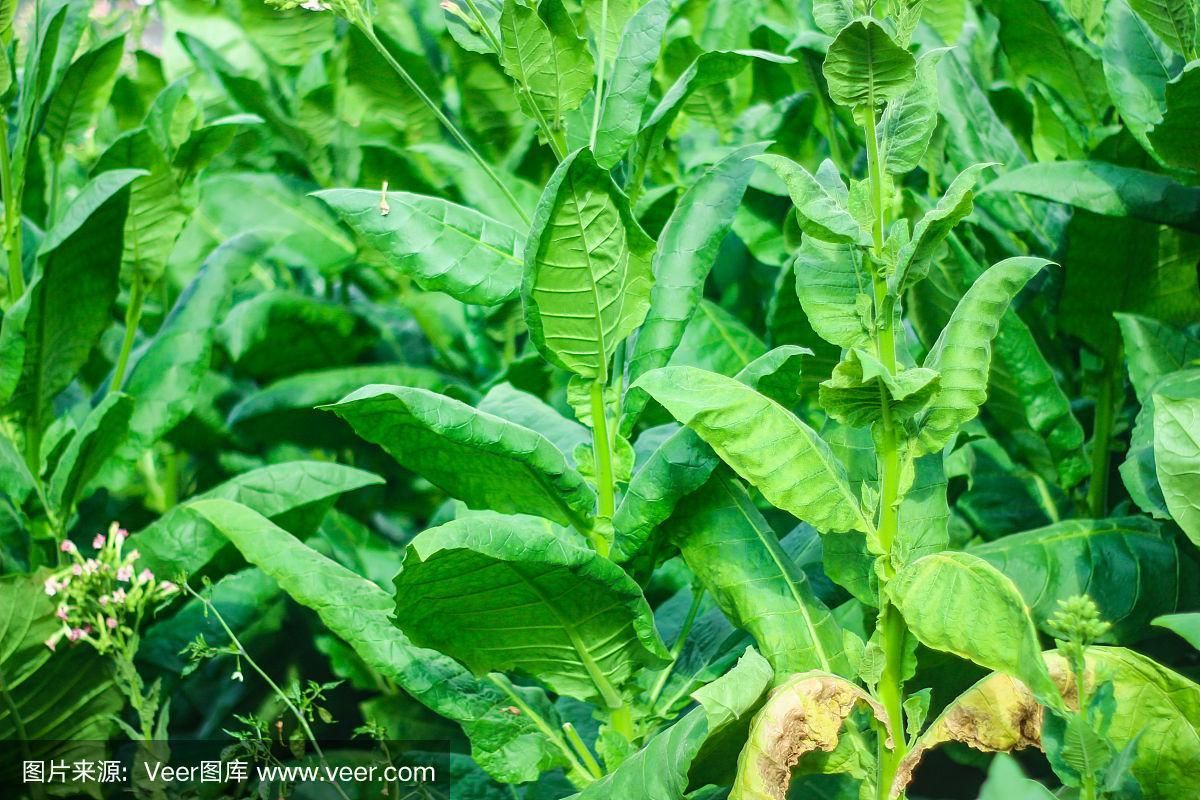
{"x":12,"y":216}
{"x":368,"y":30}
{"x":578,"y":745}
{"x":133,"y":317}
{"x":602,"y":449}
{"x":677,"y":646}
{"x":600,"y":64}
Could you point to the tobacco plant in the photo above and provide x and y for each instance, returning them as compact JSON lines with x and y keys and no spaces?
{"x":682,"y":443}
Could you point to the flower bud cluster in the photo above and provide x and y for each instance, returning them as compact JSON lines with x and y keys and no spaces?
{"x":102,"y":597}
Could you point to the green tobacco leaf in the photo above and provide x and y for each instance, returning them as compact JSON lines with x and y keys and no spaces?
{"x":1185,"y":625}
{"x":84,"y":90}
{"x":1173,"y":138}
{"x":543,"y":52}
{"x":102,"y":432}
{"x":683,"y":462}
{"x":1173,"y":20}
{"x":865,"y":66}
{"x":659,"y":771}
{"x":1006,"y":781}
{"x":1137,"y":66}
{"x":820,"y":204}
{"x":687,"y":248}
{"x":58,"y":705}
{"x":532,"y":598}
{"x":282,"y":331}
{"x":205,"y":143}
{"x":736,"y":556}
{"x":1137,"y":565}
{"x":379,"y":104}
{"x":587,"y":269}
{"x":860,"y":385}
{"x":717,"y":341}
{"x":294,"y":493}
{"x":156,"y":209}
{"x":1139,"y":471}
{"x":1177,"y":458}
{"x":481,"y":459}
{"x":944,"y":596}
{"x":444,"y":247}
{"x":69,"y":302}
{"x":932,"y":229}
{"x":508,"y":745}
{"x":829,"y":280}
{"x":1109,"y":190}
{"x":962,"y":354}
{"x":289,"y":37}
{"x":1153,"y":349}
{"x":908,"y":121}
{"x":629,"y":87}
{"x":763,"y":442}
{"x":526,"y":409}
{"x":776,"y":743}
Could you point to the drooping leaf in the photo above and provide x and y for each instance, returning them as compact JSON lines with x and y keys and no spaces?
{"x":865,"y":66}
{"x":717,"y":341}
{"x":1185,"y":625}
{"x":509,"y":746}
{"x":1172,"y":138}
{"x":1173,"y":20}
{"x":829,"y":280}
{"x":1138,"y":566}
{"x":481,"y":459}
{"x":542,"y":50}
{"x":738,"y":559}
{"x":962,"y":353}
{"x":782,"y":457}
{"x":525,"y":409}
{"x":802,"y":716}
{"x":860,"y":387}
{"x":295,"y":493}
{"x":101,"y":433}
{"x":932,"y":229}
{"x":628,"y":89}
{"x":444,"y":247}
{"x":1153,"y":350}
{"x":908,"y":121}
{"x":587,"y":269}
{"x":820,"y":204}
{"x":1137,"y":67}
{"x":1177,"y":458}
{"x":532,"y":598}
{"x":942,"y":598}
{"x":1139,"y":471}
{"x":84,"y":90}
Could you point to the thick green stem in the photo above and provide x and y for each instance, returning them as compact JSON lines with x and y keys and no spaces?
{"x":584,"y":770}
{"x":600,"y":62}
{"x":622,"y":722}
{"x":368,"y":30}
{"x":1102,"y":438}
{"x":12,"y":216}
{"x":133,"y":317}
{"x":581,"y":748}
{"x":677,"y":647}
{"x":602,"y":448}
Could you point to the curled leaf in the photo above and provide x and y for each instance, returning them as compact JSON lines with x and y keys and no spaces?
{"x":802,"y":716}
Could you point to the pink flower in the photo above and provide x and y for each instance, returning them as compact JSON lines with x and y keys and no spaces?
{"x":145,"y":576}
{"x":52,"y":642}
{"x":52,"y":586}
{"x":61,"y":613}
{"x":90,"y":566}
{"x":124,"y":574}
{"x":167,"y":587}
{"x":77,"y":569}
{"x":103,"y":599}
{"x":124,"y":534}
{"x":119,"y":596}
{"x":134,"y":555}
{"x":67,"y":546}
{"x":99,"y":541}
{"x":111,"y":622}
{"x":75,"y":634}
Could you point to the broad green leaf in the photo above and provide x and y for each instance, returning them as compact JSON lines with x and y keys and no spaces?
{"x":444,"y":247}
{"x":531,"y":598}
{"x":830,"y":279}
{"x":544,"y":54}
{"x":736,"y":556}
{"x":1173,"y":138}
{"x":1137,"y":67}
{"x":764,"y":443}
{"x":860,"y":385}
{"x":1185,"y":625}
{"x":525,"y":409}
{"x":717,"y":341}
{"x":932,"y":229}
{"x":84,"y":90}
{"x":1109,"y":190}
{"x":1173,"y":20}
{"x":962,"y":354}
{"x":1006,"y":781}
{"x":1131,"y":569}
{"x":157,"y":212}
{"x":866,"y":67}
{"x":778,"y":740}
{"x":908,"y":121}
{"x":687,"y":248}
{"x":944,"y":596}
{"x":165,"y":374}
{"x":294,"y":493}
{"x":659,"y":771}
{"x":1153,"y":349}
{"x":508,"y":745}
{"x":289,"y":37}
{"x":476,"y":189}
{"x":787,"y":324}
{"x":58,"y":705}
{"x":683,"y":463}
{"x":286,"y":408}
{"x":1177,"y":458}
{"x":820,"y":208}
{"x":100,"y":435}
{"x":206,"y":142}
{"x":1139,"y":471}
{"x":628,"y":89}
{"x":377,"y":102}
{"x":481,"y":459}
{"x":587,"y":269}
{"x":606,"y":22}
{"x":69,"y":302}
{"x":282,"y":331}
{"x":833,"y":15}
